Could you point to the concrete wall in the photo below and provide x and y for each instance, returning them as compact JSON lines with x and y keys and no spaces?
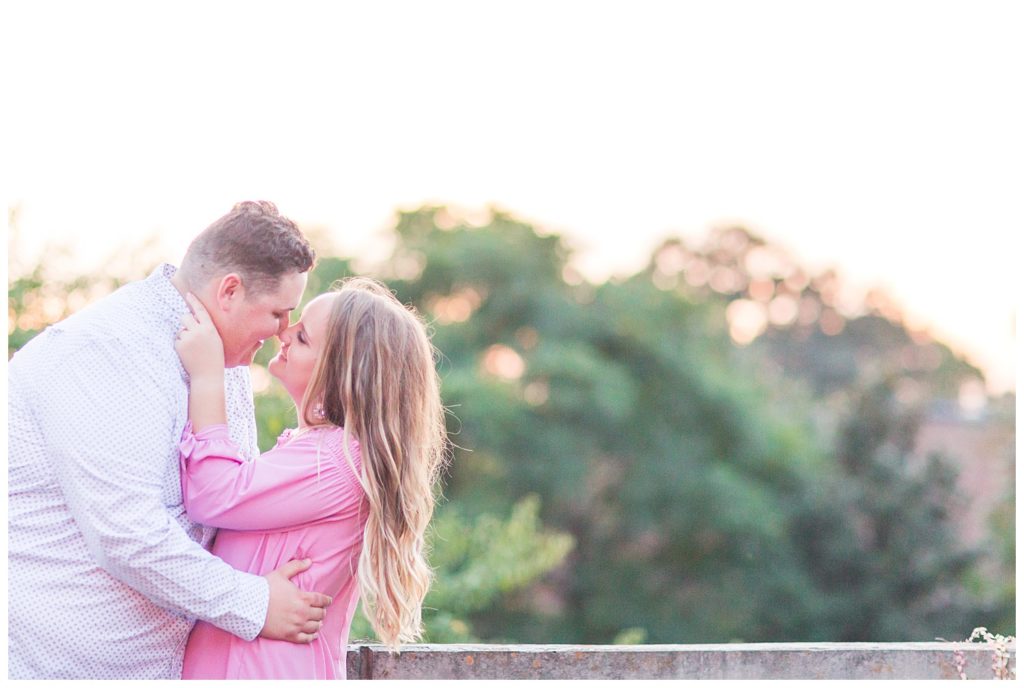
{"x":739,"y":661}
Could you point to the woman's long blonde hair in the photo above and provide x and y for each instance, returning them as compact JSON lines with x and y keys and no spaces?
{"x":376,"y":379}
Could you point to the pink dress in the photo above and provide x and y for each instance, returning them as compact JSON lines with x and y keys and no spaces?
{"x":299,"y":500}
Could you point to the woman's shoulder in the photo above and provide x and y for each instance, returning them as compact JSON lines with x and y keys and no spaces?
{"x":323,"y":449}
{"x":314,"y":435}
{"x":341,"y":442}
{"x":325,"y":439}
{"x":345,"y":454}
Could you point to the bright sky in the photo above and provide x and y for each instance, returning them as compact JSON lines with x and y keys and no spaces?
{"x":882,"y":138}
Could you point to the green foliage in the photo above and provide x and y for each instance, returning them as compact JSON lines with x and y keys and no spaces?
{"x":825,"y":341}
{"x":630,"y":636}
{"x":40,"y":293}
{"x":680,"y":463}
{"x":476,"y":561}
{"x":275,"y":411}
{"x":489,"y":555}
{"x":886,"y":576}
{"x":37,"y":299}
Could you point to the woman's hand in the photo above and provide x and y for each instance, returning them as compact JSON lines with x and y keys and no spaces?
{"x":199,"y":344}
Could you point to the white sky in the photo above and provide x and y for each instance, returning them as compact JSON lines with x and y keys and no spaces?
{"x":882,"y":138}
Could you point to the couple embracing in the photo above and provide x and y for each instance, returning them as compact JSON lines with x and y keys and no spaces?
{"x":148,"y":537}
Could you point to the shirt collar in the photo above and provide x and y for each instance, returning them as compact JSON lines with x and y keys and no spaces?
{"x":174,"y":304}
{"x":160,"y":281}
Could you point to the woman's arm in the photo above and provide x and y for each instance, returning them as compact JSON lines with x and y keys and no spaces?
{"x":202,"y":354}
{"x":206,"y":401}
{"x":286,"y":487}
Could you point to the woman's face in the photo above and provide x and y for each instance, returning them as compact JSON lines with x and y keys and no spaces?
{"x":301,"y":345}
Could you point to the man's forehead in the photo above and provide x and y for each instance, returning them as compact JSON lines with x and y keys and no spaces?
{"x":285,"y":306}
{"x":288,"y":294}
{"x":275,"y":302}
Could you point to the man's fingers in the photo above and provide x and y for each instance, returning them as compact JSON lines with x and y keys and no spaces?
{"x":316,"y":599}
{"x":305,"y":637}
{"x":312,"y":613}
{"x":294,"y":567}
{"x":312,"y":627}
{"x":316,"y":613}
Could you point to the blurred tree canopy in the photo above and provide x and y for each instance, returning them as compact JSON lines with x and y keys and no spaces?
{"x":717,"y":448}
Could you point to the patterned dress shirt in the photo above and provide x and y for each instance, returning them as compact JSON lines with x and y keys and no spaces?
{"x":106,"y":573}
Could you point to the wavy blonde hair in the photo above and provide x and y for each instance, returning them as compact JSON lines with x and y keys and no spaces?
{"x":376,"y":379}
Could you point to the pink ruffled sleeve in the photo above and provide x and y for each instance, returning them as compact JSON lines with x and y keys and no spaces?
{"x":285,"y":487}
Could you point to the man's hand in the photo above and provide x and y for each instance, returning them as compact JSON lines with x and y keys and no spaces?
{"x":292,"y":614}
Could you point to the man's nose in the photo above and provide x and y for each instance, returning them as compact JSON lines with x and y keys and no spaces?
{"x":282,"y":325}
{"x":287,"y":334}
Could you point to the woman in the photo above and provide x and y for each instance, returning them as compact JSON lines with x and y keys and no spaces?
{"x":351,"y":488}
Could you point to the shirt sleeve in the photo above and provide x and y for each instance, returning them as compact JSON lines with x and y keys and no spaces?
{"x":292,"y":485}
{"x":111,"y":435}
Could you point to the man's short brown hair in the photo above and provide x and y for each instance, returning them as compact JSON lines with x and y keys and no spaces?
{"x":255,"y":241}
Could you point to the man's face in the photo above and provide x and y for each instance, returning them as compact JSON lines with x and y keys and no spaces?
{"x":256,"y":317}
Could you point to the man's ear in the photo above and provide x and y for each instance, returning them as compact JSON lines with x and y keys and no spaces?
{"x":230,"y":291}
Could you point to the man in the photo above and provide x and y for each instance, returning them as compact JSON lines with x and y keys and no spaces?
{"x":106,"y":573}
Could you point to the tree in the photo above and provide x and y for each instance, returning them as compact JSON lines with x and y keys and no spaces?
{"x":897,"y":573}
{"x":873,"y":380}
{"x":621,"y":406}
{"x":682,"y":471}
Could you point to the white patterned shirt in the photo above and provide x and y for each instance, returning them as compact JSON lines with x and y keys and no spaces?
{"x":106,"y":573}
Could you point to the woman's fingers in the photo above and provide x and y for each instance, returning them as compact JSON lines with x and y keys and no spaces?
{"x":197,"y":318}
{"x":198,"y":310}
{"x":189,"y":321}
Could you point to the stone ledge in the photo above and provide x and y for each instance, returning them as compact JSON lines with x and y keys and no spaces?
{"x":934,"y":660}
